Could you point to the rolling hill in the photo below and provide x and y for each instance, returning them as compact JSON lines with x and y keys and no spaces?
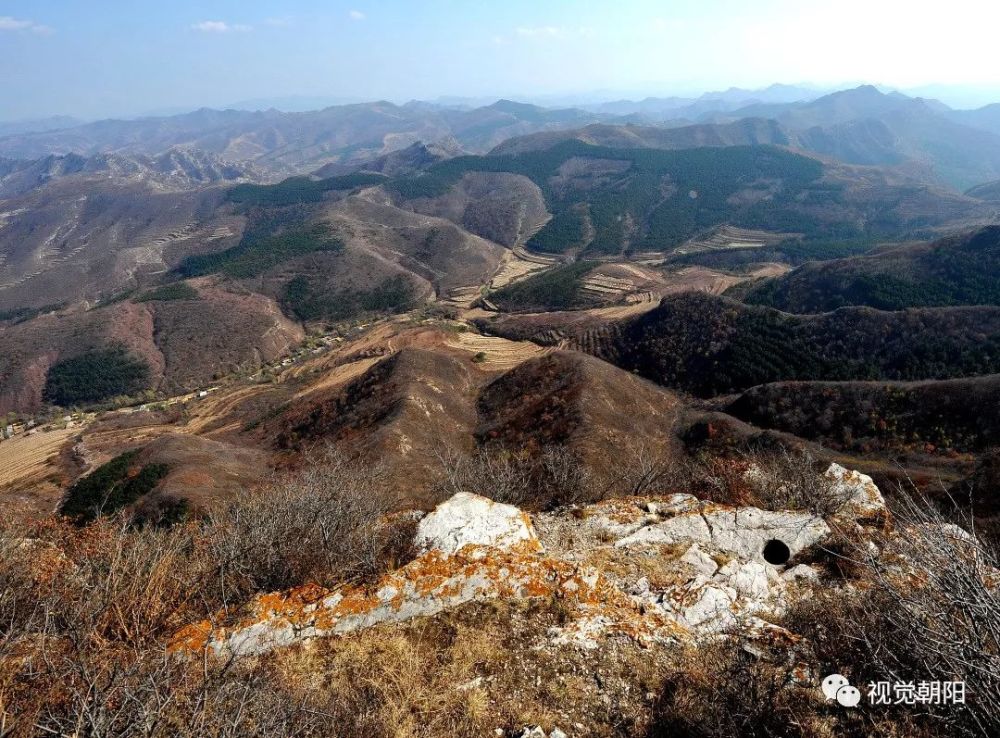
{"x":960,"y":270}
{"x":869,"y":416}
{"x":608,"y":201}
{"x":708,"y":345}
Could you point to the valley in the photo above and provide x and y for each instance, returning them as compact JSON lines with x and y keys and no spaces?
{"x":428,"y":390}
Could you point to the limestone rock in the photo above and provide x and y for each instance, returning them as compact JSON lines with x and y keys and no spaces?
{"x":742,"y":532}
{"x":686,"y":528}
{"x":746,"y":531}
{"x":859,"y":497}
{"x":426,"y":586}
{"x":468,"y":519}
{"x":713,"y":611}
{"x":700,"y":561}
{"x":622,"y":516}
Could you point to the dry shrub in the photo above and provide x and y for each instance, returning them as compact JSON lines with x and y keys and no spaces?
{"x":472,"y":671}
{"x":326,"y":523}
{"x":85,"y":611}
{"x":930,"y":612}
{"x":553,"y":477}
{"x":643,"y":469}
{"x":722,"y":690}
{"x":772,"y":479}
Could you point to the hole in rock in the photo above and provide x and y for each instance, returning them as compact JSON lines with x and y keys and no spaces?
{"x":776,"y":552}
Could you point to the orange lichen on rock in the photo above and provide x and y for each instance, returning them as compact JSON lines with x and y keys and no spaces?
{"x":426,"y":586}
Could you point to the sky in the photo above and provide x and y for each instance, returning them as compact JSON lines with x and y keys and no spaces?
{"x":102,"y":58}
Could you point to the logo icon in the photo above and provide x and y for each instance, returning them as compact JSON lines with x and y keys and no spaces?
{"x":838,"y":687}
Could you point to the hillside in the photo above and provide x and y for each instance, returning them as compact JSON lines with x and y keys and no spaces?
{"x":709,"y":345}
{"x":608,"y":201}
{"x":175,"y":169}
{"x":989,"y":192}
{"x":856,"y":126}
{"x":182,"y":344}
{"x":582,"y":404}
{"x":876,"y":416}
{"x":960,"y":270}
{"x":744,"y":132}
{"x":865,"y":126}
{"x":92,"y":236}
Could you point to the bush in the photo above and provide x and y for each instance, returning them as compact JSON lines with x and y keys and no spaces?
{"x":85,"y":612}
{"x":551,"y":478}
{"x":324,"y":523}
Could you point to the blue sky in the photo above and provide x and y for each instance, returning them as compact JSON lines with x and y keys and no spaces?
{"x":112,"y":57}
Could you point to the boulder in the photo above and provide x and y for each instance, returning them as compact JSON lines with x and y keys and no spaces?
{"x":685,"y":528}
{"x":859,"y":498}
{"x":747,"y":531}
{"x":467,"y":519}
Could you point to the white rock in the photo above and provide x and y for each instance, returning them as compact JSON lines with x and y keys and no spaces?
{"x":690,"y":527}
{"x":803,"y":572}
{"x":641,"y":587}
{"x":583,"y":633}
{"x":619,"y":518}
{"x":714,"y":611}
{"x":470,"y":519}
{"x":745,"y":531}
{"x":673,"y":505}
{"x":749,"y":579}
{"x":858,"y":495}
{"x":533,"y":732}
{"x":742,"y":532}
{"x":700,"y":561}
{"x":556,"y":733}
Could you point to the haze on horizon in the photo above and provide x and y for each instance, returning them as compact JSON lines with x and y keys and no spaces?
{"x":124,"y":58}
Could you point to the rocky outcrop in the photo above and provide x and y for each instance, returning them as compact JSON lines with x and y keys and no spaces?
{"x":428,"y":585}
{"x":652,"y":569}
{"x":468,"y":519}
{"x":475,"y":549}
{"x":748,"y":532}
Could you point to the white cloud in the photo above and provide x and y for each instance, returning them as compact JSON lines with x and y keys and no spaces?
{"x":17,"y":24}
{"x":357,"y":15}
{"x":220,"y":27}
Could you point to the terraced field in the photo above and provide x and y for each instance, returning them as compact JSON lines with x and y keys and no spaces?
{"x":27,"y":464}
{"x":496,"y":353}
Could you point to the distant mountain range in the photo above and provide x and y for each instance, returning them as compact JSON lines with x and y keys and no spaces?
{"x":176,"y":168}
{"x":960,"y":148}
{"x":293,"y":143}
